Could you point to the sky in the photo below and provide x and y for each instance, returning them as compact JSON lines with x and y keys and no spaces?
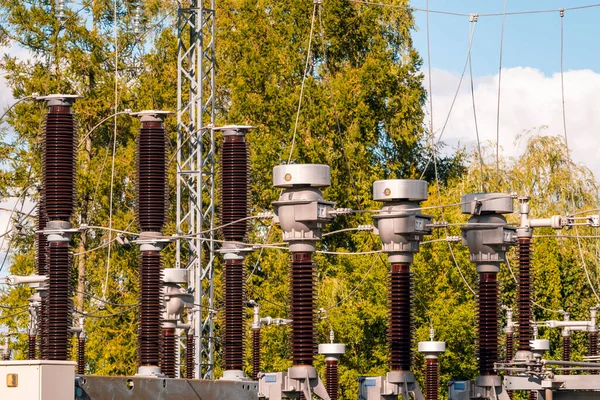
{"x":531,"y":84}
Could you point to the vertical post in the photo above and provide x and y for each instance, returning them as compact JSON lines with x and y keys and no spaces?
{"x":256,"y":325}
{"x":195,"y":211}
{"x":332,"y":352}
{"x":59,"y":201}
{"x":488,"y":237}
{"x":432,"y":351}
{"x":566,"y":343}
{"x":401,"y":228}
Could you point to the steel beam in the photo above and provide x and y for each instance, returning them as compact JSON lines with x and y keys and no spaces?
{"x":196,"y":168}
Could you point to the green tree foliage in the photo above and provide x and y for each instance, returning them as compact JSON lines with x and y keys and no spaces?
{"x":361,"y":114}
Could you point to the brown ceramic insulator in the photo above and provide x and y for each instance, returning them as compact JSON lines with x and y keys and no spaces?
{"x":234,"y":315}
{"x":6,"y":356}
{"x":509,"y":347}
{"x":234,"y":187}
{"x":255,"y":353}
{"x":59,"y":163}
{"x":150,"y":308}
{"x":593,"y":344}
{"x":593,"y":347}
{"x":151,"y":177}
{"x":566,"y":351}
{"x":41,"y":269}
{"x":533,"y":395}
{"x":488,"y":322}
{"x":43,"y":327}
{"x":331,"y":379}
{"x":31,"y":348}
{"x":81,"y":356}
{"x":509,"y":354}
{"x":59,"y":302}
{"x":302,"y":294}
{"x":432,"y":377}
{"x":167,"y":356}
{"x":190,"y":352}
{"x":524,"y":295}
{"x":400,"y":317}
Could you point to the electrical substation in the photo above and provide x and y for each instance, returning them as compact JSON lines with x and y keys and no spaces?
{"x":176,"y":305}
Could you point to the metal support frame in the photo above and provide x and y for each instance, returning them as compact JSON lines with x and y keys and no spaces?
{"x":196,"y":167}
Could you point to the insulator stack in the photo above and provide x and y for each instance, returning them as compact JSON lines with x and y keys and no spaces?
{"x":234,"y":315}
{"x":509,"y":354}
{"x":31,"y":348}
{"x":59,"y":163}
{"x":42,"y":269}
{"x":151,"y":215}
{"x":331,"y":379}
{"x":234,"y":186}
{"x":566,"y":351}
{"x":509,"y":347}
{"x":432,"y":376}
{"x":593,"y":346}
{"x":524,"y":296}
{"x":533,"y":395}
{"x":488,"y":322}
{"x":59,"y":302}
{"x":152,"y":178}
{"x":6,"y":356}
{"x":59,"y":149}
{"x":302,"y":296}
{"x":234,"y":207}
{"x":150,"y":306}
{"x":400,"y":317}
{"x":255,"y":353}
{"x":190,"y":352}
{"x":167,"y":364}
{"x":81,"y":356}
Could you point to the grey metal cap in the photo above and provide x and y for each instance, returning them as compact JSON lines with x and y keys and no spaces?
{"x":175,"y":275}
{"x":290,"y":175}
{"x":60,"y":99}
{"x":491,"y":203}
{"x":234,"y":130}
{"x":431,"y":347}
{"x":400,"y":189}
{"x":540,"y":345}
{"x":151,"y":115}
{"x":332,"y":349}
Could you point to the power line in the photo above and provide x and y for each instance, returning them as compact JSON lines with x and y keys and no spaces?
{"x":568,"y":154}
{"x":460,"y":14}
{"x":462,"y":75}
{"x":310,"y":39}
{"x":499,"y":94}
{"x":473,"y":20}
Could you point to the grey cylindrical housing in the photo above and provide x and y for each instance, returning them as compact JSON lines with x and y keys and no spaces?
{"x":400,"y":225}
{"x":487,"y":234}
{"x":301,"y":210}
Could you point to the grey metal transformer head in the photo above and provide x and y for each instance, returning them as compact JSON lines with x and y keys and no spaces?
{"x":301,"y":210}
{"x":400,"y":226}
{"x":487,"y":234}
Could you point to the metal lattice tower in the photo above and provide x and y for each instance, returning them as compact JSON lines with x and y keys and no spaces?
{"x":196,"y":167}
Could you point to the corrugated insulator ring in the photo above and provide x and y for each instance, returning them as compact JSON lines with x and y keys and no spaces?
{"x":167,"y":365}
{"x":151,"y":177}
{"x":234,"y":187}
{"x":81,"y":356}
{"x":524,"y":295}
{"x":234,"y":315}
{"x":59,"y":149}
{"x":432,"y":377}
{"x":400,"y":317}
{"x":488,"y":323}
{"x":149,"y":334}
{"x":190,"y":352}
{"x":331,"y":379}
{"x":255,"y":353}
{"x":59,"y":302}
{"x":302,"y":296}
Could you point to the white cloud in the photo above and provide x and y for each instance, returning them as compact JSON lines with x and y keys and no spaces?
{"x":529,"y":99}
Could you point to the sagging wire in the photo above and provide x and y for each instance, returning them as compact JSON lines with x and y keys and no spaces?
{"x":568,"y":155}
{"x":434,"y":142}
{"x":499,"y":94}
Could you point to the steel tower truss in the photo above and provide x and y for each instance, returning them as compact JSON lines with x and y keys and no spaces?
{"x":196,"y":167}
